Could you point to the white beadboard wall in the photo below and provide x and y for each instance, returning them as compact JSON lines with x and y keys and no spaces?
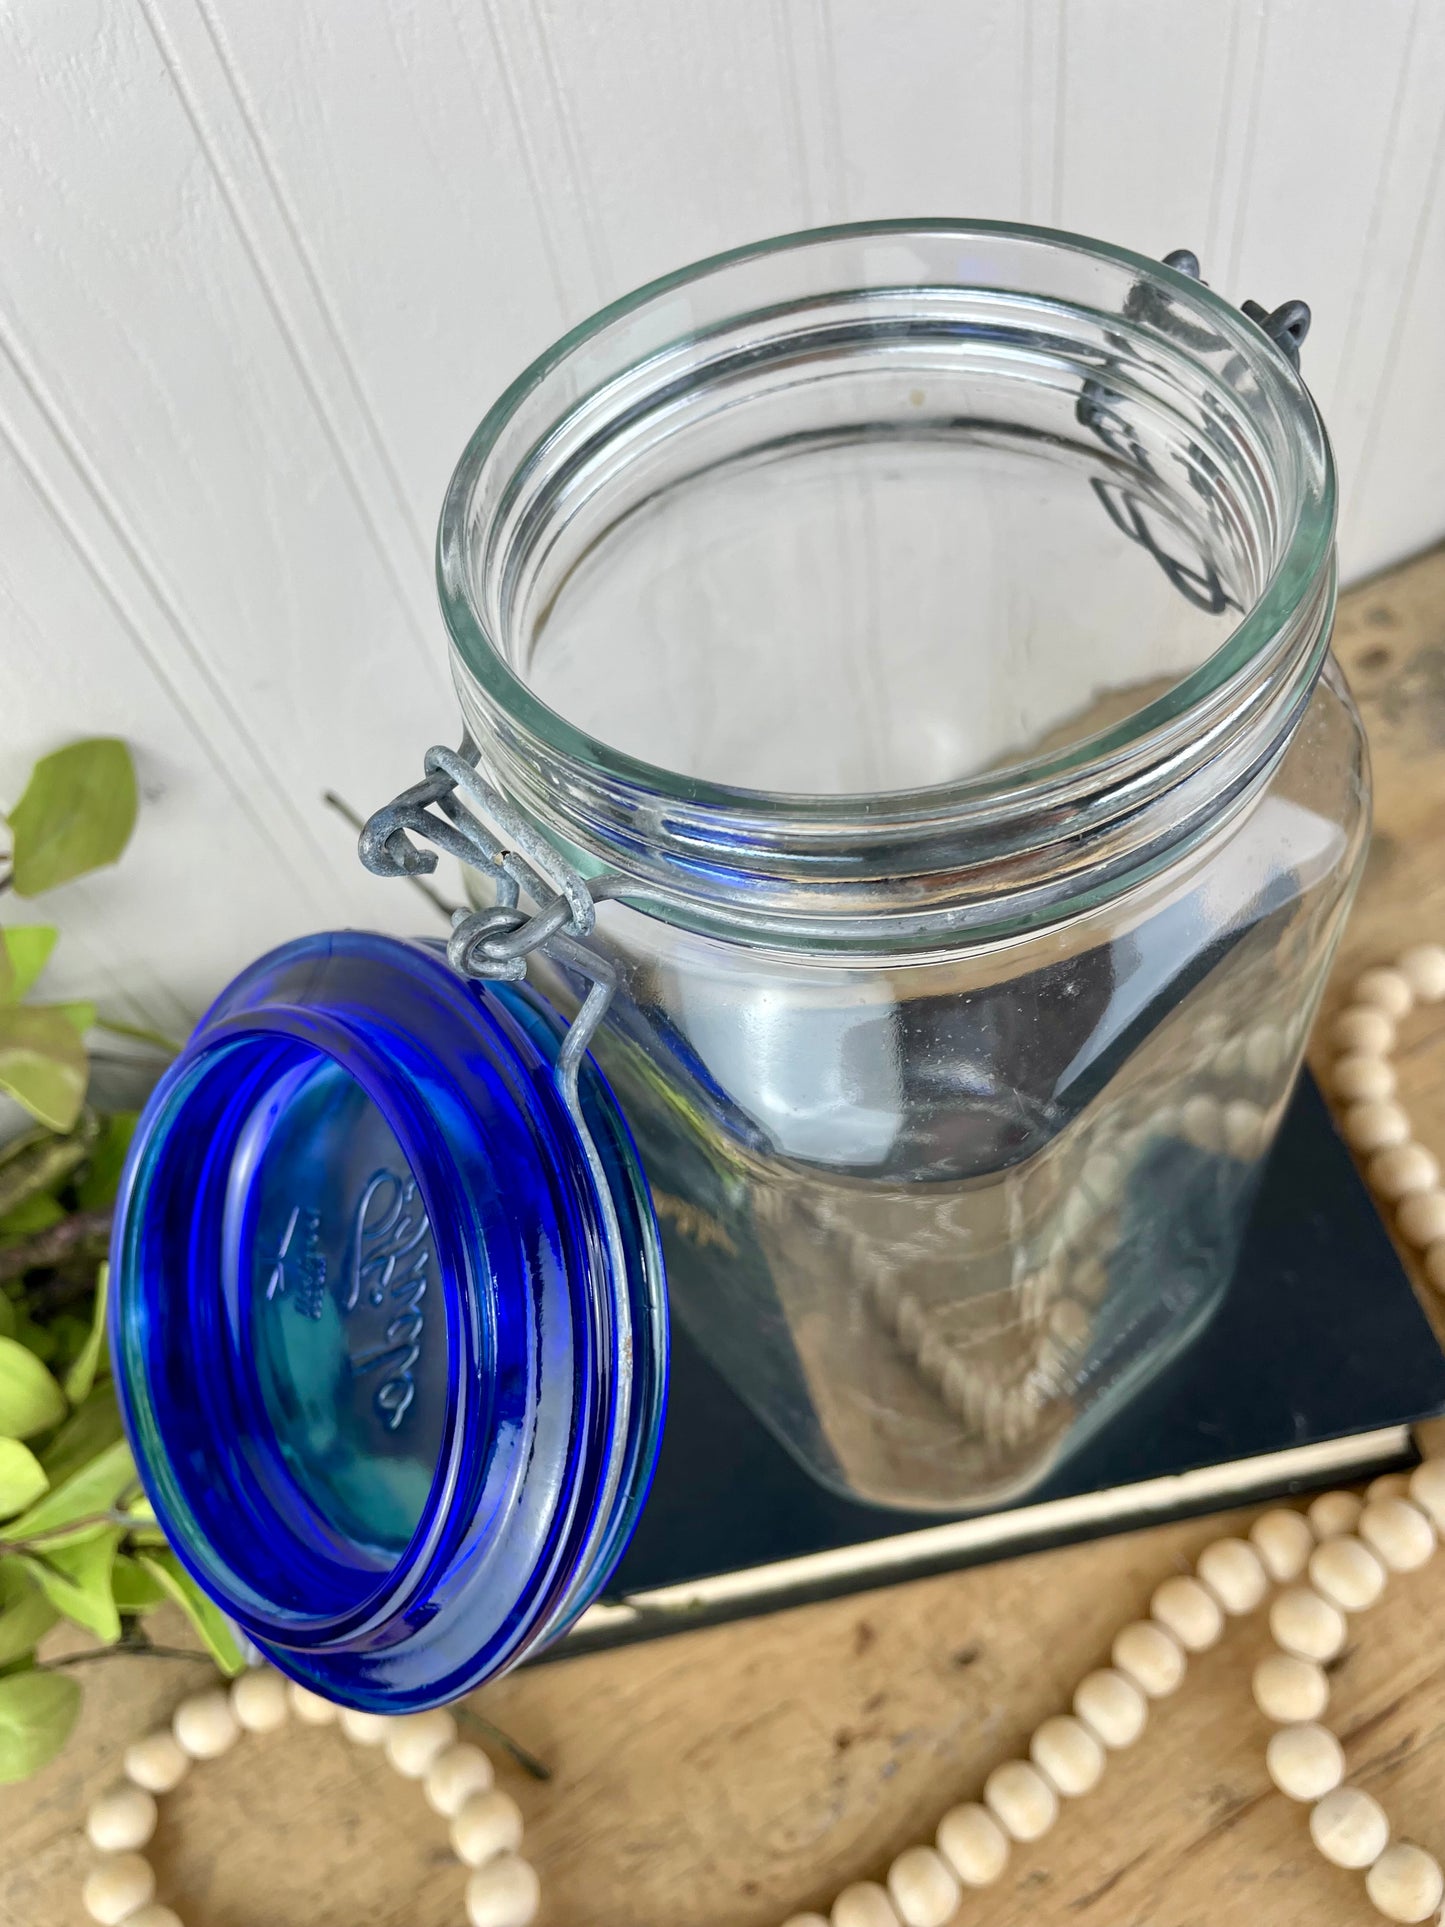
{"x":264,"y":263}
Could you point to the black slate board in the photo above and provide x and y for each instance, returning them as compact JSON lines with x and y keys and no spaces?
{"x":1318,"y":1338}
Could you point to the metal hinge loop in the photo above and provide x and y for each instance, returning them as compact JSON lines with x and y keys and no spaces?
{"x":1287,"y":325}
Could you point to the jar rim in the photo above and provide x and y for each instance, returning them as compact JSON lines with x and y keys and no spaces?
{"x":1303,"y":559}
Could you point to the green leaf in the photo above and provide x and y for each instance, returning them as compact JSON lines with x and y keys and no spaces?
{"x":36,"y":1214}
{"x":136,"y":1590}
{"x":101,"y":1180}
{"x":26,"y":1615}
{"x":93,"y":1489}
{"x":24,"y":952}
{"x":208,"y":1620}
{"x":93,"y":1425}
{"x":81,"y":1376}
{"x":30,"y":1399}
{"x":43,"y":1064}
{"x":76,"y":1581}
{"x":69,"y":1333}
{"x":76,"y":815}
{"x":37,"y":1339}
{"x":37,"y":1711}
{"x":22,"y":1477}
{"x":80,"y":1017}
{"x":7,"y":1317}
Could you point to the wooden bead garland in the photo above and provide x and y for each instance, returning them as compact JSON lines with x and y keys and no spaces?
{"x":502,"y":1889}
{"x":1332,"y":1561}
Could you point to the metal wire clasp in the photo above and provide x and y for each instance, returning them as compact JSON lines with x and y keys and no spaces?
{"x":495,"y":839}
{"x":1287,"y":325}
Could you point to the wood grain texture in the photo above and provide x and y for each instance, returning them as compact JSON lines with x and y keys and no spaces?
{"x":725,"y":1777}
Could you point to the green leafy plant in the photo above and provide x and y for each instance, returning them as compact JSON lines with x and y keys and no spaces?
{"x":78,"y":1542}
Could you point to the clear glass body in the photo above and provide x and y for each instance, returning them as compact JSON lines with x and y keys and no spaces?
{"x":929,"y":623}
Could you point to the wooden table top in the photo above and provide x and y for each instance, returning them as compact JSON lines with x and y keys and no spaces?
{"x":734,"y":1774}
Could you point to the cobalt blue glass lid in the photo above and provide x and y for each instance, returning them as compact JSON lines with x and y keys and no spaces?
{"x":388,"y":1319}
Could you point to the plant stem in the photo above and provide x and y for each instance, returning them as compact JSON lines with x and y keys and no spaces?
{"x":46,"y":1249}
{"x":155,"y":1038}
{"x":528,"y":1762}
{"x":36,"y":1541}
{"x":138,"y":1649}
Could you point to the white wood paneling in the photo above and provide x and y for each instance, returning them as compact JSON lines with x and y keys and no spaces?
{"x":264,"y":263}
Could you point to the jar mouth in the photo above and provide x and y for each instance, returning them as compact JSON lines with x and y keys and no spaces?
{"x":1122,"y":341}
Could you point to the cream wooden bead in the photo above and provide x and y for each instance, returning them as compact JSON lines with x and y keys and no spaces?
{"x":1021,"y":1800}
{"x":415,"y":1740}
{"x":1423,"y":968}
{"x":366,"y":1729}
{"x":1202,"y":1123}
{"x":1361,"y":1079}
{"x":1389,"y":1485}
{"x":1289,"y":1690}
{"x":1405,"y":1883}
{"x":1112,"y":1707}
{"x":454,"y":1776}
{"x":1284,"y":1543}
{"x":1401,"y":1171}
{"x":488,"y":1824}
{"x":1335,"y":1512}
{"x":864,"y":1904}
{"x":504,"y":1893}
{"x":1265,"y":1049}
{"x":1151,"y":1657}
{"x":259,"y":1700}
{"x":1398,"y":1533}
{"x":1434,"y":1265}
{"x":1304,"y":1624}
{"x":1229,"y":1059}
{"x":1385,"y":989}
{"x":1421,"y":1218}
{"x":1364,"y":1027}
{"x":1346,"y":1571}
{"x":1427,"y":1490}
{"x":973,"y":1843}
{"x":1103,"y":1176}
{"x":312,"y":1709}
{"x":122,"y":1821}
{"x":1245,"y":1128}
{"x":1183,"y":1607}
{"x":1349,"y":1828}
{"x":1371,"y":1127}
{"x":805,"y":1920}
{"x":154,"y":1915}
{"x":923,"y":1889}
{"x":204,"y":1725}
{"x":1232,"y":1571}
{"x":1068,"y":1755}
{"x":156,"y":1763}
{"x":115,"y":1887}
{"x":1305,"y":1762}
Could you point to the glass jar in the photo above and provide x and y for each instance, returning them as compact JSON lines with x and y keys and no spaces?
{"x":895,"y":660}
{"x":924,"y":628}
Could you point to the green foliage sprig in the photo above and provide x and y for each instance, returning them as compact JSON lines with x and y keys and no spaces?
{"x":78,"y":1540}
